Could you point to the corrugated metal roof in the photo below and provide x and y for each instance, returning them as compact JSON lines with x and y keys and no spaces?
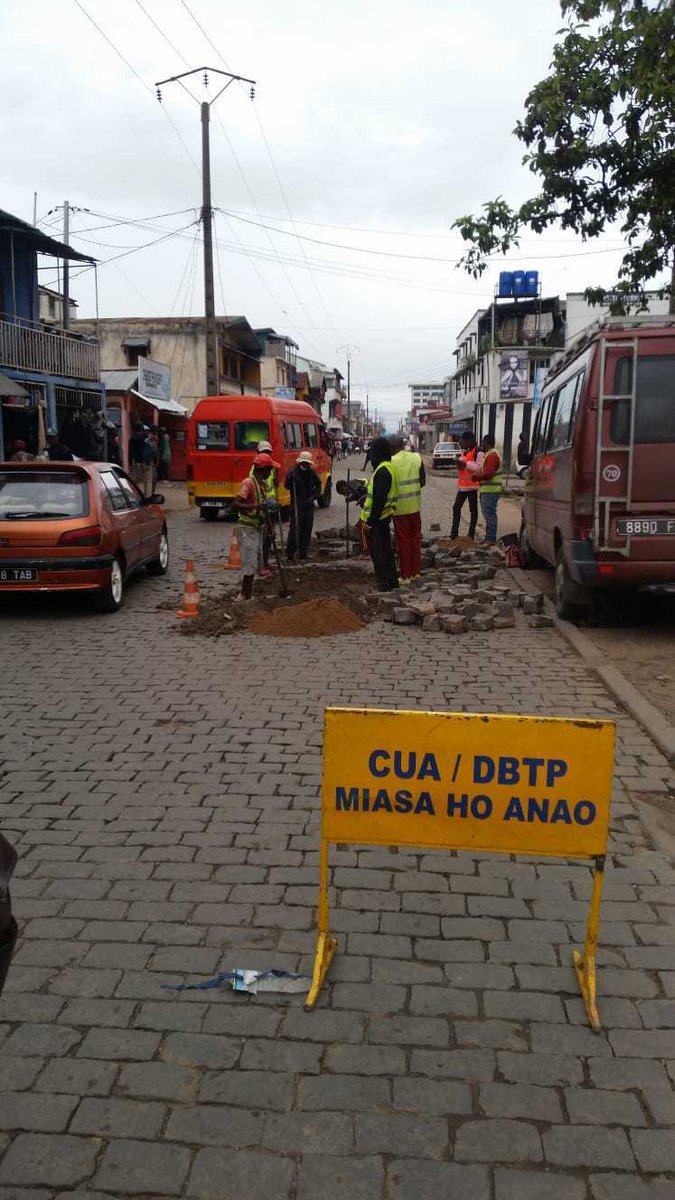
{"x":9,"y":387}
{"x":120,"y":380}
{"x":42,"y":243}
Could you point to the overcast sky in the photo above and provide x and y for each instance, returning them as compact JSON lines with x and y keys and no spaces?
{"x":374,"y":126}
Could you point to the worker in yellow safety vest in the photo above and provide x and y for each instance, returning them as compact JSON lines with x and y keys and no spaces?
{"x":490,"y":482}
{"x":410,"y":478}
{"x":269,"y":486}
{"x":379,"y":506}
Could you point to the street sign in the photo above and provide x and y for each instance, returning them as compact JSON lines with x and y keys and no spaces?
{"x":154,"y":379}
{"x":463,"y":781}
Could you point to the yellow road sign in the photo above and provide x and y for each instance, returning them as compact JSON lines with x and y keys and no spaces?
{"x":464,"y":781}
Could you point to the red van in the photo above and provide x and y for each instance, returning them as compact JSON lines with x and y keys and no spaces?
{"x":600,"y":492}
{"x":223,"y":435}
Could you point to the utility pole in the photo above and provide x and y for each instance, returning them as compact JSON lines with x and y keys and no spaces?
{"x":65,"y":299}
{"x":212,"y":372}
{"x":348,"y":350}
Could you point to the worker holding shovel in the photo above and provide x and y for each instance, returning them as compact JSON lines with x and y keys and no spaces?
{"x":252,"y":506}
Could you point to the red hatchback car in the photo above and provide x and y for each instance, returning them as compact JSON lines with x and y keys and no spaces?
{"x":77,"y":527}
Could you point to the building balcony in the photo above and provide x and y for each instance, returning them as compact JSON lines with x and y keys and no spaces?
{"x":25,"y":346}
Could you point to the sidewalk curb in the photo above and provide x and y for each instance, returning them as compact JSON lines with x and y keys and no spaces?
{"x":645,"y":713}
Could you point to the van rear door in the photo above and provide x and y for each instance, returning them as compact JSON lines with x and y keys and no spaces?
{"x":635,"y":472}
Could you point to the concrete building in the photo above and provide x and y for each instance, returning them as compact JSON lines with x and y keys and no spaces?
{"x":49,"y":377}
{"x":501,"y":354}
{"x":180,"y":342}
{"x":51,"y":307}
{"x":425,"y":395}
{"x":278,"y":364}
{"x":580,"y":313}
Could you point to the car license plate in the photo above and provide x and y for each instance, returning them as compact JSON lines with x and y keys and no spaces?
{"x":18,"y":575}
{"x":212,"y":503}
{"x":659,"y":526}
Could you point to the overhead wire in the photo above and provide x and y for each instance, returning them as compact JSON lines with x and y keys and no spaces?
{"x":390,"y":232}
{"x":240,"y":168}
{"x":411,"y":257}
{"x":141,"y":80}
{"x":275,"y":169}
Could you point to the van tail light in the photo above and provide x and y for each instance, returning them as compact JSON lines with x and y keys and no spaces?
{"x":89,"y":536}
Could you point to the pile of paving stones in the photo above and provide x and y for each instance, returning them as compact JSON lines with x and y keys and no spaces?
{"x":458,"y":594}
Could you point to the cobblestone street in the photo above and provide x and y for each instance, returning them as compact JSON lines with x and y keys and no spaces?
{"x":163,"y":792}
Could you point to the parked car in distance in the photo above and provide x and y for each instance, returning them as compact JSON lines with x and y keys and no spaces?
{"x":8,"y":929}
{"x":77,"y":527}
{"x":445,"y":455}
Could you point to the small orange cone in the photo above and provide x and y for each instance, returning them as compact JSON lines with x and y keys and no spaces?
{"x":190,"y":593}
{"x":234,"y":560}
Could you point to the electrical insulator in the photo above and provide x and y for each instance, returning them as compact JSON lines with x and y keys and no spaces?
{"x":252,"y":92}
{"x":159,"y":95}
{"x":206,"y":80}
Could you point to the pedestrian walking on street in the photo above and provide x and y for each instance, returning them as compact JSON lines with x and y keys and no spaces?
{"x":467,"y":486}
{"x":164,"y":454}
{"x":304,"y":485}
{"x":410,"y":479}
{"x":142,"y":458}
{"x":251,"y":504}
{"x":490,"y":482}
{"x":379,"y":506}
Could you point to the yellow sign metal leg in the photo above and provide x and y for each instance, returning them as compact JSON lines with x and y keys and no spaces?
{"x":326,"y":945}
{"x":584,"y":964}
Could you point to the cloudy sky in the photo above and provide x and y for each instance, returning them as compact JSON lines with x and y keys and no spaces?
{"x":374,"y":126}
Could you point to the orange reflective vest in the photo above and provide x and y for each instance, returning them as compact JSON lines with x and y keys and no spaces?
{"x":466,"y":482}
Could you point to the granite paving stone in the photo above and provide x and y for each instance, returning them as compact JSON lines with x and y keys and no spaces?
{"x":164,"y":793}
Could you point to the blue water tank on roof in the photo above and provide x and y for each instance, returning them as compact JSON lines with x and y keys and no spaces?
{"x":531,"y":283}
{"x":519,"y":283}
{"x":506,"y":283}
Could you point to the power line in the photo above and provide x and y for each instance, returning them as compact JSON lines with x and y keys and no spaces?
{"x":235,"y":156}
{"x":273,"y":164}
{"x":412,"y":257}
{"x":140,"y":79}
{"x":393,"y":232}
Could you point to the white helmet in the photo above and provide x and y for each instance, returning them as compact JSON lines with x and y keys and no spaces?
{"x":264,"y":447}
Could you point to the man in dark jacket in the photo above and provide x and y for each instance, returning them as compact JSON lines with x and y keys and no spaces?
{"x":378,"y":507}
{"x":304,"y":485}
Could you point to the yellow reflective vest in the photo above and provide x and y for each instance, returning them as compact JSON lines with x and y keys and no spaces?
{"x":390,"y":506}
{"x":496,"y":482}
{"x":407,"y":465}
{"x":269,"y":485}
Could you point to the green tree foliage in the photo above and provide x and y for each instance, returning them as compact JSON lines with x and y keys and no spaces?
{"x":600,"y":137}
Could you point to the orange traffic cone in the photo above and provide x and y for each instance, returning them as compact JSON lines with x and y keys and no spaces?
{"x":190,"y":593}
{"x":234,"y":559}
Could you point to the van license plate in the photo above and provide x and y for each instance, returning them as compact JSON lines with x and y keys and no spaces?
{"x":18,"y":575}
{"x":660,"y":526}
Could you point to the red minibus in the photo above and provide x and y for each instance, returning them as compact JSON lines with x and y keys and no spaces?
{"x":600,"y":492}
{"x":223,"y":436}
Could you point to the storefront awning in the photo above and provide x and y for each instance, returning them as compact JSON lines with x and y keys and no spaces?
{"x":9,"y":387}
{"x":167,"y":406}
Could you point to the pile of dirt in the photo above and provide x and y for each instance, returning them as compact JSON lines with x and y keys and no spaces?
{"x":322,"y":600}
{"x":314,"y":618}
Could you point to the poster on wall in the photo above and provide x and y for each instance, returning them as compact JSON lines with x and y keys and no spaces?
{"x":154,"y":379}
{"x":513,"y":376}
